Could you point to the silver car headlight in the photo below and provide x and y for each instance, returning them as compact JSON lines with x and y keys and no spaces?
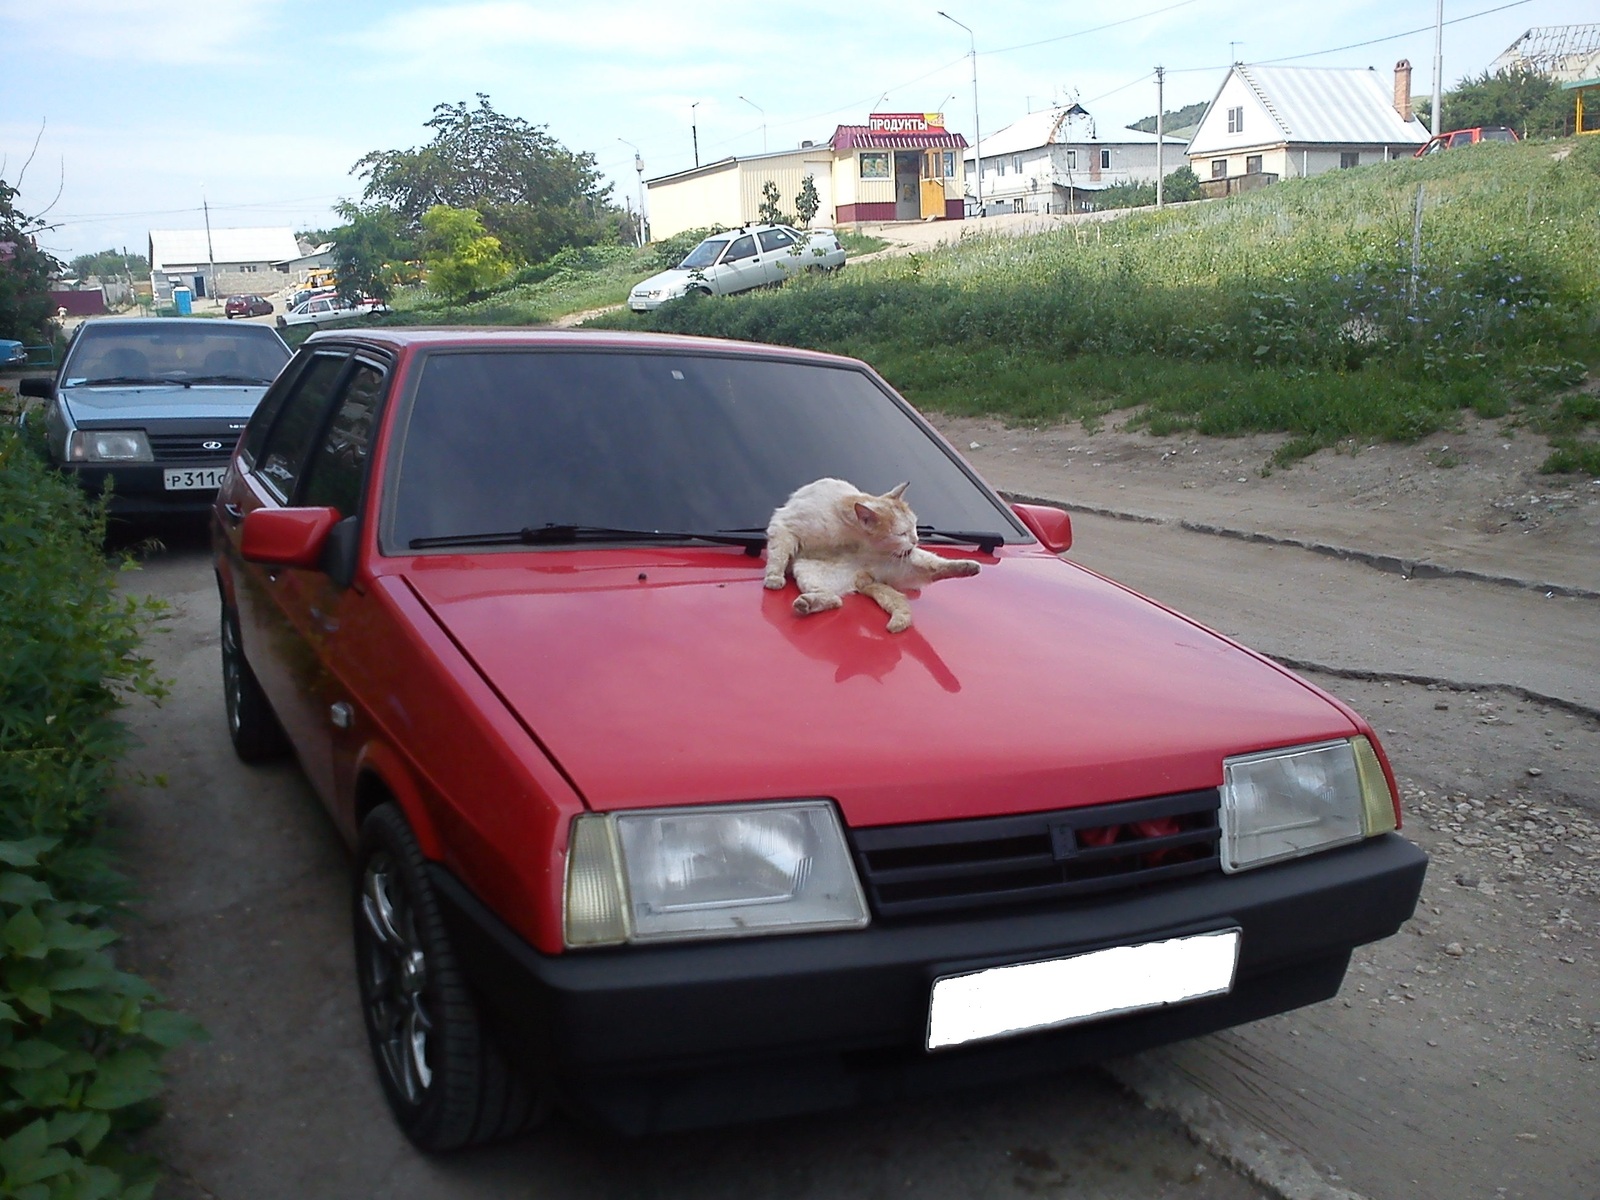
{"x":1282,"y":804}
{"x":108,"y":445}
{"x":713,"y":872}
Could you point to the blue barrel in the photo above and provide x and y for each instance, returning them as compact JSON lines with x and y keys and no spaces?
{"x":182,"y":298}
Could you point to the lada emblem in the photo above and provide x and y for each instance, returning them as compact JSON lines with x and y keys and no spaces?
{"x":211,"y":445}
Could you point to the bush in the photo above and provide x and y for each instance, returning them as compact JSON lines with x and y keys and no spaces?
{"x":80,"y":1039}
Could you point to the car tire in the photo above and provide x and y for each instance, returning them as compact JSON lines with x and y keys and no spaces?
{"x":446,"y":1081}
{"x":252,"y":725}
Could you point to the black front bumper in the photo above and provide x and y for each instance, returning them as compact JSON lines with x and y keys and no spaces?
{"x":138,"y":490}
{"x":703,"y":1033}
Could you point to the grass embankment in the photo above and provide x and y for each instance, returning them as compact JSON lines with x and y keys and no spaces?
{"x":1294,"y":309}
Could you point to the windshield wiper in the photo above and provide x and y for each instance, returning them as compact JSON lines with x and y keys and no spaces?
{"x":567,"y":535}
{"x":243,"y":379}
{"x":985,"y":542}
{"x":126,"y":381}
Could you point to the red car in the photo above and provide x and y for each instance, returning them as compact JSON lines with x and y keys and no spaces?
{"x":632,"y":838}
{"x":246,"y":306}
{"x":1466,"y":137}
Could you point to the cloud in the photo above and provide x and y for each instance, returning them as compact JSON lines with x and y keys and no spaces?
{"x":141,"y":33}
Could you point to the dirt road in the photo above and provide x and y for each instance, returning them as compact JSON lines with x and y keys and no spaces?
{"x":1457,"y":606}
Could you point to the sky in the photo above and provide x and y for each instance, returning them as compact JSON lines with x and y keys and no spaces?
{"x":129,"y":115}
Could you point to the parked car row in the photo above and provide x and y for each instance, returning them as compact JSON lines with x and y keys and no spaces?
{"x":751,"y":256}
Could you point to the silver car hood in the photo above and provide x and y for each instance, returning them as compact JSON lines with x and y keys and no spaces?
{"x":90,"y":406}
{"x":675,"y":280}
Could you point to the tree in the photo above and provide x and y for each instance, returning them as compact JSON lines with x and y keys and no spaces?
{"x":372,"y":252}
{"x":462,"y":260}
{"x":806,"y":202}
{"x":532,"y":193}
{"x":1532,"y":104}
{"x":25,"y":270}
{"x":771,"y":210}
{"x":113,"y":263}
{"x":1182,"y":184}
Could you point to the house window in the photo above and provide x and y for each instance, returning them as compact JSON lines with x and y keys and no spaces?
{"x":1252,"y":164}
{"x":248,"y":268}
{"x":875,"y":165}
{"x":1236,"y":120}
{"x":1105,"y":160}
{"x":1000,"y":166}
{"x":1016,"y":164}
{"x":1219,"y":168}
{"x":1072,"y":160}
{"x":1349,"y":158}
{"x":949,"y":164}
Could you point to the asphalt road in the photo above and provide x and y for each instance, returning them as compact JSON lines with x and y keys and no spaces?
{"x":243,"y":923}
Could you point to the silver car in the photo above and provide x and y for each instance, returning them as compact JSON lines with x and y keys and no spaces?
{"x":751,"y":256}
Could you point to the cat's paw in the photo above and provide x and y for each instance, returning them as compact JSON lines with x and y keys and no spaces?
{"x":774,"y":583}
{"x":957,"y":567}
{"x":899,"y":623}
{"x":807,"y":603}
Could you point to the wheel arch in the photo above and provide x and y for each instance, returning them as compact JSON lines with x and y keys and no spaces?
{"x":382,"y":777}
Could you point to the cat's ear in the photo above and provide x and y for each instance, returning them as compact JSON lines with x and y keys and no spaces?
{"x":866,"y":515}
{"x":898,"y":491}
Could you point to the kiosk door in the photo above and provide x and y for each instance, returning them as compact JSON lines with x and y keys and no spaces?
{"x":932,"y":184}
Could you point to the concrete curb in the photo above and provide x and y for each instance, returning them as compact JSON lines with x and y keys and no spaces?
{"x":1275,"y":1165}
{"x":1391,"y":564}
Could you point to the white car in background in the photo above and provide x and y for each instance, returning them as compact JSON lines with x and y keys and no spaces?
{"x":328,"y":308}
{"x":736,"y":260}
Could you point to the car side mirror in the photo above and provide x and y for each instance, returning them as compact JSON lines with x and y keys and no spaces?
{"x":1051,"y":526}
{"x":40,"y":386}
{"x":287,"y":537}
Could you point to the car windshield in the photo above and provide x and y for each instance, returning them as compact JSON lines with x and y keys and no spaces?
{"x":1498,"y":135}
{"x":128,"y":352}
{"x":705,"y":254}
{"x":511,"y":440}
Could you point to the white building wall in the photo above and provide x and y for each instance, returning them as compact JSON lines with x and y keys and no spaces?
{"x":1213,"y":138}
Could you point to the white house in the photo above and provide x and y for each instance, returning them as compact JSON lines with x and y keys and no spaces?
{"x":220,"y":261}
{"x":1054,"y":161}
{"x":1271,"y":123}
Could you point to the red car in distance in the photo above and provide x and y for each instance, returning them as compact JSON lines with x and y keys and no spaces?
{"x":1466,"y":137}
{"x":632,"y":838}
{"x":246,"y":306}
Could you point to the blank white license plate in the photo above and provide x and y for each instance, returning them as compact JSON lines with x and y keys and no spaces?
{"x":1002,"y":1001}
{"x":183,"y":479}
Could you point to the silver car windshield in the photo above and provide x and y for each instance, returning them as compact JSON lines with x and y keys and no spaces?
{"x":705,"y":254}
{"x":126,"y":353}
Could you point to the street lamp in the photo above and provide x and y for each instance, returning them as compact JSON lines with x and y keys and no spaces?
{"x":694,"y":132}
{"x":977,"y":130}
{"x":763,"y":113}
{"x":638,"y":165}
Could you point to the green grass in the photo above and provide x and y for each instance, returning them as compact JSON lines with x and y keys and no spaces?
{"x":856,"y":244}
{"x":1293,"y":309}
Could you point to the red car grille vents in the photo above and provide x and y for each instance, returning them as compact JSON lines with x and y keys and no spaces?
{"x":946,"y":866}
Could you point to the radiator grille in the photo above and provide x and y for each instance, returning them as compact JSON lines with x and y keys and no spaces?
{"x":952,"y":865}
{"x":190,"y":447}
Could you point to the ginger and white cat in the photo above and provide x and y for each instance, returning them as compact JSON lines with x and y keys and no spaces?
{"x":836,"y":540}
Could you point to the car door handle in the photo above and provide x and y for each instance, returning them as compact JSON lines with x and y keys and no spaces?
{"x":235,"y":513}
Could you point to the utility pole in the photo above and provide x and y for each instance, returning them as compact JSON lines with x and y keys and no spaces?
{"x":1161,"y":118}
{"x":977,"y":129}
{"x":1438,"y":65}
{"x":211,"y":257}
{"x":638,"y":165}
{"x":694,"y":131}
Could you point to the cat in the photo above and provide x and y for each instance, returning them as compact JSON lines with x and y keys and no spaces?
{"x":836,"y":540}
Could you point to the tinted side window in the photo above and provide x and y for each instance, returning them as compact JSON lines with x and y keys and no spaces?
{"x":742,"y":248}
{"x":334,"y":475}
{"x":284,"y":455}
{"x":775,"y":239}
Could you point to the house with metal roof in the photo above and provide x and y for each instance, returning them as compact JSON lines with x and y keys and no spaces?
{"x":1054,"y":161}
{"x":1564,"y":53}
{"x":218,"y":262}
{"x":1271,"y":123}
{"x":896,"y":167}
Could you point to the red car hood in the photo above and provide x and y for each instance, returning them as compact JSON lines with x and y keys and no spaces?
{"x":672,"y":677}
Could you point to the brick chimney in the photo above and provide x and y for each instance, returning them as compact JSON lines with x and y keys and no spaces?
{"x":1402,"y":88}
